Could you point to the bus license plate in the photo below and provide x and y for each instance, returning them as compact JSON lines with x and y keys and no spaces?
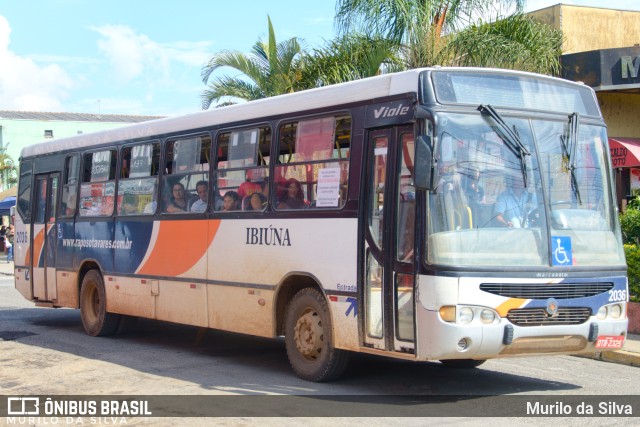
{"x":610,"y":341}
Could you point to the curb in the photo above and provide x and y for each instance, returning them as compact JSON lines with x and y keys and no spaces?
{"x":621,"y":357}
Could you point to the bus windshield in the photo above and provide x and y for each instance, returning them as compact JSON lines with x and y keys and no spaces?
{"x":542,"y":205}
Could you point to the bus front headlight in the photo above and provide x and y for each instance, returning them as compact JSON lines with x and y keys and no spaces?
{"x":602,"y":312}
{"x":487,"y":316}
{"x":615,"y":311}
{"x":465,"y":315}
{"x":611,"y":311}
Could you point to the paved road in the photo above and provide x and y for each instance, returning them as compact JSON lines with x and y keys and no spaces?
{"x":46,"y":352}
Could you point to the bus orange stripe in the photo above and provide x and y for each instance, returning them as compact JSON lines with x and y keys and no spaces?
{"x":179,"y":246}
{"x":504,"y":308}
{"x":38,"y":243}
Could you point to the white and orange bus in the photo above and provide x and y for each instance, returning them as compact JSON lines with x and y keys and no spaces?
{"x":452,"y":214}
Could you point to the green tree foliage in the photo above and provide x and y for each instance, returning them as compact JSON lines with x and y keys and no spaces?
{"x":487,"y":33}
{"x":516,"y":42}
{"x":270,"y":69}
{"x":383,"y":36}
{"x":632,"y":253}
{"x":8,"y":171}
{"x":630,"y":225}
{"x":350,"y":57}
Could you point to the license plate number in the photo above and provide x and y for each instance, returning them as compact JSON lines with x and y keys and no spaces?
{"x":609,"y":341}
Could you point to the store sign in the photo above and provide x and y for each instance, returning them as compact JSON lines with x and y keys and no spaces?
{"x":630,"y":66}
{"x":618,"y":156}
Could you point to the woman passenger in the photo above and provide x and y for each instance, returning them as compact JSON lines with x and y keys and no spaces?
{"x":231,"y":201}
{"x":294,"y":196}
{"x":258,"y":200}
{"x":178,"y":201}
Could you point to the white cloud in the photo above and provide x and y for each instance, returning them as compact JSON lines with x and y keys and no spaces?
{"x":25,"y":85}
{"x":134,"y":56}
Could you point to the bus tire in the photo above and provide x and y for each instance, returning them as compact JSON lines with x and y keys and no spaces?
{"x":462,"y":363}
{"x":308,"y":338}
{"x":93,"y":307}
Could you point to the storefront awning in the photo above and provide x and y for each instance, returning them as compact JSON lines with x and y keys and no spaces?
{"x":625,"y":152}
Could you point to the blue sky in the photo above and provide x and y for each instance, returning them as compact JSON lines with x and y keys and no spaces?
{"x":144,"y":56}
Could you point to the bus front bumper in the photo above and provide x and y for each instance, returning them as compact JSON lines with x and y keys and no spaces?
{"x":502,"y":338}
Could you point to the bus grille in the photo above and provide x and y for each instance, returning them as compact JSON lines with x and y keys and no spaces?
{"x":545,"y":291}
{"x":539,"y":317}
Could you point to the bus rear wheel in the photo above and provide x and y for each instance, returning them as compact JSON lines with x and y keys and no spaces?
{"x":462,"y":363}
{"x":308,"y":338}
{"x":93,"y":307}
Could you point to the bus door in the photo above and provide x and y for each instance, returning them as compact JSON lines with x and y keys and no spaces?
{"x":388,"y":300}
{"x":44,"y":237}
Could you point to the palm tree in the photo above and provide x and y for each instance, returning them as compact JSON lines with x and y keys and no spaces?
{"x":270,"y":69}
{"x":426,"y":28}
{"x":400,"y":20}
{"x":8,"y":172}
{"x":350,"y":57}
{"x":517,"y":42}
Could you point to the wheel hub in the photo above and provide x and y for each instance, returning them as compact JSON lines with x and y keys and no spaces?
{"x":309,"y":335}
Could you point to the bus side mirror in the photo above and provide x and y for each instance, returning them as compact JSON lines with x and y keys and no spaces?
{"x":424,"y":170}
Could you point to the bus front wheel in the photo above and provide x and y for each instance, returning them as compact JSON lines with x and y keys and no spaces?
{"x":308,"y":338}
{"x":93,"y":307}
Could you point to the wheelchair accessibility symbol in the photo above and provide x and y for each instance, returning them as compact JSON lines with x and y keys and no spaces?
{"x":561,"y":250}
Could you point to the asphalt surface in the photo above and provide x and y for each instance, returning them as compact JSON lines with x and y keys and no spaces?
{"x":628,"y":355}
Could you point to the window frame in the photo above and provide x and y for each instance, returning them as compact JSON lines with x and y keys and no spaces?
{"x":65,"y":183}
{"x":112,"y":179}
{"x":262,"y":164}
{"x":343,"y":189}
{"x":154,"y":173}
{"x":167,"y":173}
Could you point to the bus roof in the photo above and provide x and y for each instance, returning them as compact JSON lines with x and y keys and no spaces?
{"x":359,"y":90}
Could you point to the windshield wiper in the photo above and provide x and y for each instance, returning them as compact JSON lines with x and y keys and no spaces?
{"x":510,"y":138}
{"x":569,"y":147}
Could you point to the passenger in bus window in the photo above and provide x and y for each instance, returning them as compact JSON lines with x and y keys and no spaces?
{"x":231,"y":201}
{"x":258,"y":200}
{"x":178,"y":202}
{"x":129,"y":204}
{"x":294,"y":196}
{"x":200,"y":205}
{"x":248,"y":188}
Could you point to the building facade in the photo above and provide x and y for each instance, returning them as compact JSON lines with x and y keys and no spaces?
{"x":21,"y":128}
{"x":602,"y":50}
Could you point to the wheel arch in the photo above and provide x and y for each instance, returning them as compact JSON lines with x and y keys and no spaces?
{"x":290,"y":285}
{"x":86,"y":266}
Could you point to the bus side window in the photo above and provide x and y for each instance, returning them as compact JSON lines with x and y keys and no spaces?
{"x":188,"y":161}
{"x":69,"y":200}
{"x":137,"y":187}
{"x":98,"y":183}
{"x":242,"y":167}
{"x":313,"y":154}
